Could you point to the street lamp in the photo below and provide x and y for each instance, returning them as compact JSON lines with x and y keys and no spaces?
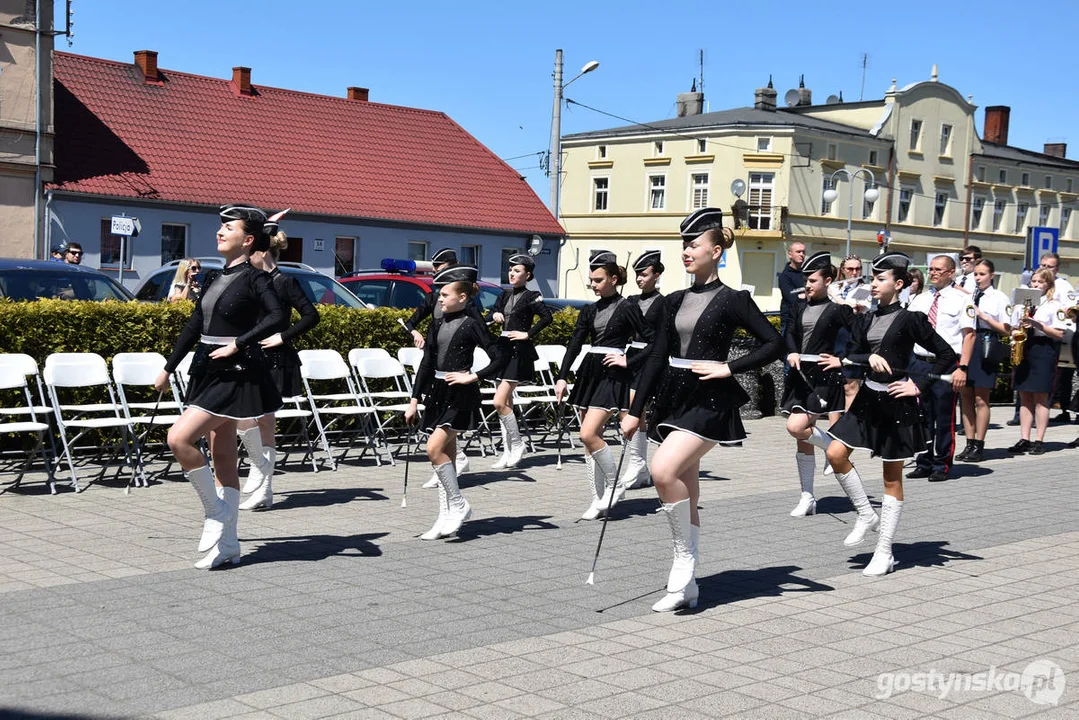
{"x":556,"y":127}
{"x":871,"y":193}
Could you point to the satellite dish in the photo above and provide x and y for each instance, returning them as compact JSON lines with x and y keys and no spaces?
{"x":738,"y":187}
{"x":832,"y":100}
{"x":791,"y":97}
{"x":535,"y":246}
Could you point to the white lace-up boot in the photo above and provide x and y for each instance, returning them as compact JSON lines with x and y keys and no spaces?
{"x":252,"y":442}
{"x":883,"y":562}
{"x":807,"y":465}
{"x":606,"y":471}
{"x":262,"y":497}
{"x":503,"y":462}
{"x":821,"y":439}
{"x":590,"y":478}
{"x":227,"y":549}
{"x":443,"y":511}
{"x":517,"y":445}
{"x":462,"y":464}
{"x":202,"y":479}
{"x":682,"y":588}
{"x":636,"y":473}
{"x":867,"y":517}
{"x":457,"y":508}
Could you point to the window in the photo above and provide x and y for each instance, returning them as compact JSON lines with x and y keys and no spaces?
{"x":1003,"y":177}
{"x":702,"y":145}
{"x":976,"y":213}
{"x":829,"y":183}
{"x":417,"y":250}
{"x":1021,"y":217}
{"x":915,"y":135}
{"x":406,"y":295}
{"x":833,"y":151}
{"x":1025,"y":180}
{"x":110,"y":246}
{"x":764,"y":144}
{"x":873,"y":158}
{"x":700,"y":191}
{"x":1065,"y":218}
{"x":601,"y":152}
{"x":1043,"y":215}
{"x":599,"y":193}
{"x":979,"y":173}
{"x":1068,"y":185}
{"x":657,"y":148}
{"x":344,"y":255}
{"x":373,"y":292}
{"x":294,"y":251}
{"x":507,"y":253}
{"x":173,"y":242}
{"x":470,"y":255}
{"x":946,"y":140}
{"x":998,"y":215}
{"x":657,"y":192}
{"x":1048,"y":182}
{"x":760,"y":200}
{"x":906,"y":195}
{"x":939,"y":208}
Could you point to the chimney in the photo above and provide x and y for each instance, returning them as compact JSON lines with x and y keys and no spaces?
{"x":996,"y":124}
{"x":1057,"y":150}
{"x":146,"y":61}
{"x":358,"y":93}
{"x":805,"y":95}
{"x":765,"y":98}
{"x":690,"y":103}
{"x":241,"y":80}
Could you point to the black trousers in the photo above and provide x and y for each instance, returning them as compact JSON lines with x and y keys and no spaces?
{"x":1063,"y":394}
{"x":938,"y":420}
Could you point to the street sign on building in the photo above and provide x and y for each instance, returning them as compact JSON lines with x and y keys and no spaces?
{"x":124,"y":226}
{"x":1040,"y":240}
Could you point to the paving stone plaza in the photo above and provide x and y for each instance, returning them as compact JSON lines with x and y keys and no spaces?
{"x":338,"y":610}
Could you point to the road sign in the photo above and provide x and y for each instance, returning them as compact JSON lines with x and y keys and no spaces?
{"x":123,"y":225}
{"x":1041,"y":240}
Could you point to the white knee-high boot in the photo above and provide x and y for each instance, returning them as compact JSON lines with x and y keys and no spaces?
{"x":202,"y":480}
{"x":807,"y":465}
{"x":681,"y":581}
{"x":503,"y":462}
{"x":883,"y":562}
{"x":867,"y":517}
{"x":590,"y":479}
{"x":821,"y":439}
{"x":517,"y":443}
{"x":636,"y":473}
{"x":443,"y":511}
{"x":251,"y":439}
{"x":606,"y":471}
{"x":457,"y":508}
{"x":227,"y":549}
{"x":262,"y":497}
{"x":462,"y":464}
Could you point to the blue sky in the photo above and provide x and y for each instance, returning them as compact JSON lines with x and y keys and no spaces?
{"x":488,"y":65}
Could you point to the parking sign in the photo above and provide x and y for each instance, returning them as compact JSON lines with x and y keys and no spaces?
{"x":1041,"y":240}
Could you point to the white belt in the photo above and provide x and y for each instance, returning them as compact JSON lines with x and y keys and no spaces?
{"x":439,"y":375}
{"x":504,"y":333}
{"x":927,"y":357}
{"x":874,"y":385}
{"x":687,"y":364}
{"x":638,"y":345}
{"x":600,"y":350}
{"x":216,"y":340}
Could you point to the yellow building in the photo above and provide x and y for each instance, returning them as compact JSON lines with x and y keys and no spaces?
{"x":627,"y":188}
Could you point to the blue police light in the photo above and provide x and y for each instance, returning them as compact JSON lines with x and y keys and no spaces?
{"x":395,"y":265}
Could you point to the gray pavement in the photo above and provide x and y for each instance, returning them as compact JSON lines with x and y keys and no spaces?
{"x":338,"y":610}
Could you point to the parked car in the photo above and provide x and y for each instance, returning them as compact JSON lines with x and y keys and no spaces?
{"x":37,"y":279}
{"x":402,"y":284}
{"x":319,"y":289}
{"x":557,"y":304}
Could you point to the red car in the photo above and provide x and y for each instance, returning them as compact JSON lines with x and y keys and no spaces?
{"x":403,"y":284}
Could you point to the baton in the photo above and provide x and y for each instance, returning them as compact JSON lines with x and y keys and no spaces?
{"x":610,"y":503}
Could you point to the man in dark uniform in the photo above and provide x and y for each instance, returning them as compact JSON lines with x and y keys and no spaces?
{"x":791,"y":284}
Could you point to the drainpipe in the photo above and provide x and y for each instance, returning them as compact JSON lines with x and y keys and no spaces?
{"x":37,"y":136}
{"x":565,"y":275}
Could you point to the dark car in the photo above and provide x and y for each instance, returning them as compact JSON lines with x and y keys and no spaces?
{"x":403,"y":284}
{"x":319,"y":289}
{"x":557,"y":304}
{"x":37,"y":279}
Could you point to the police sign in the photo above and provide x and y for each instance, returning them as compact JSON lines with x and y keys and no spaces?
{"x":127,"y":226}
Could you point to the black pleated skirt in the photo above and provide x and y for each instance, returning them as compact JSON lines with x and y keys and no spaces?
{"x":600,"y":386}
{"x":284,"y":363}
{"x":522,"y":365}
{"x":981,"y":373}
{"x":237,"y":387}
{"x":1037,"y":372}
{"x":889,"y":428}
{"x":822,"y":394}
{"x":707,"y":409}
{"x":457,"y":407}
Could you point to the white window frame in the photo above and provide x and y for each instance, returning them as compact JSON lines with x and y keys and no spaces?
{"x":977,"y":210}
{"x":979,"y":173}
{"x":760,"y":213}
{"x":694,"y":187}
{"x":940,"y":209}
{"x":1022,"y":210}
{"x":916,"y":127}
{"x":828,"y":182}
{"x":1043,"y":215}
{"x":945,"y":140}
{"x":426,"y":248}
{"x":999,"y":206}
{"x":904,"y":217}
{"x":764,"y":143}
{"x":476,"y":255}
{"x":651,"y":188}
{"x":605,"y":192}
{"x":1024,"y":180}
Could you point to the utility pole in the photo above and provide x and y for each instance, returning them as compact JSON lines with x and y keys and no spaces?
{"x":555,"y":163}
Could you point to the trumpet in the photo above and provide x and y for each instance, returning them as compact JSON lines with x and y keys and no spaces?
{"x":1019,"y":337}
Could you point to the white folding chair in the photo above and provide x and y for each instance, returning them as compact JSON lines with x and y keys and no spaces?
{"x":410,"y":357}
{"x":13,"y":379}
{"x":387,"y":372}
{"x":140,"y":370}
{"x":41,"y":408}
{"x":85,"y":371}
{"x":292,"y":412}
{"x":327,"y":366}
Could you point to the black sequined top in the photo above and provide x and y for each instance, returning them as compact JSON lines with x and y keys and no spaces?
{"x":902,"y":329}
{"x":652,"y":306}
{"x":711,"y":339}
{"x":291,"y":295}
{"x":465,"y":333}
{"x":608,"y":322}
{"x":520,"y":306}
{"x":822,"y":334}
{"x":430,"y":308}
{"x":238,"y":301}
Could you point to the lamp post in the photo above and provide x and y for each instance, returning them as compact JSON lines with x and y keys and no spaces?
{"x":556,"y":128}
{"x":871,"y":193}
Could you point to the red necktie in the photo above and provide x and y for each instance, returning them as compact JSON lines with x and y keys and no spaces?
{"x":933,"y":309}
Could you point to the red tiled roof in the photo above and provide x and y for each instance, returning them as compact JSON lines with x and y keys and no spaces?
{"x":194,"y":139}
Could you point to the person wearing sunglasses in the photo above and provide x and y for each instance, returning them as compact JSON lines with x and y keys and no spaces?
{"x":185,"y":284}
{"x":73,"y":254}
{"x":968,"y":259}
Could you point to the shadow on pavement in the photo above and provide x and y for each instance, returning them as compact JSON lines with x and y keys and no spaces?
{"x":314,"y":547}
{"x":919,"y":554}
{"x":324,"y":498}
{"x":504,"y":525}
{"x":732,"y":585}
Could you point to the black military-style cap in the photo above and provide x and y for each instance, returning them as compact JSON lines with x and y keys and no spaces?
{"x":239,"y":211}
{"x":817,"y":261}
{"x":521,"y":259}
{"x":647,"y":259}
{"x":443,"y":256}
{"x":700,"y":222}
{"x":890,"y":261}
{"x":600,"y":258}
{"x":456,"y":273}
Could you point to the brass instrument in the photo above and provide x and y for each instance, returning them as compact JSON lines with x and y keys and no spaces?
{"x":1072,"y":313}
{"x":1019,"y":337}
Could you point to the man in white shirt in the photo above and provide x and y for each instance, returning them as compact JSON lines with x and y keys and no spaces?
{"x":946,"y":307}
{"x":967,"y":260}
